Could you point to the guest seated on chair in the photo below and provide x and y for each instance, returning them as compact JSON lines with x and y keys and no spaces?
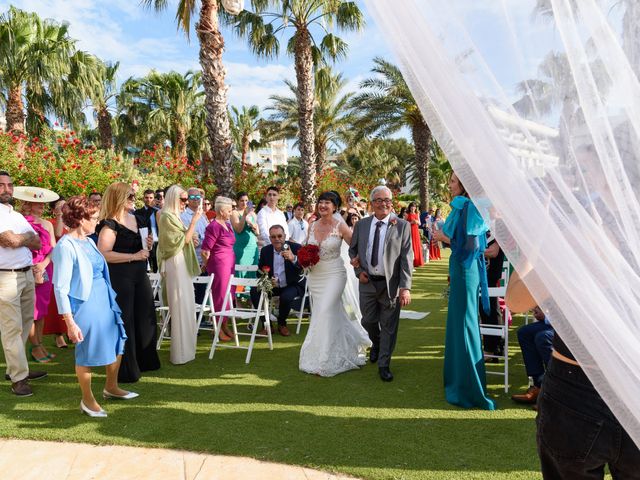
{"x":535,"y":342}
{"x":285,"y":272}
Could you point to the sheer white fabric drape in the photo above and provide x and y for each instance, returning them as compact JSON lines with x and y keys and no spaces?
{"x":537,"y":106}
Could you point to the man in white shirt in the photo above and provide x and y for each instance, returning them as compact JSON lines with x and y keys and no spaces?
{"x":17,"y":289}
{"x":298,"y":226}
{"x":195,"y":197}
{"x":270,"y":215}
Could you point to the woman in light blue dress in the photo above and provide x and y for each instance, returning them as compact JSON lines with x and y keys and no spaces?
{"x":87,"y":304}
{"x":464,"y":370}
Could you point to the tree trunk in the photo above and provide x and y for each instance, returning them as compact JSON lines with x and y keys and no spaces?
{"x":421,"y":139}
{"x":321,"y":156}
{"x":213,"y":73}
{"x":15,"y":111}
{"x":180,"y":148}
{"x":304,"y":77}
{"x":245,"y":149}
{"x":104,"y":129}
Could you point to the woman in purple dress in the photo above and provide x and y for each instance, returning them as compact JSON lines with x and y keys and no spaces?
{"x":217,"y":250}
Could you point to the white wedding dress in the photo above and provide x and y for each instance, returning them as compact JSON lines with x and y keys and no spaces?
{"x":335,"y":342}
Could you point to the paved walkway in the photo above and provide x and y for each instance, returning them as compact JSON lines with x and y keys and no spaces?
{"x":26,"y":460}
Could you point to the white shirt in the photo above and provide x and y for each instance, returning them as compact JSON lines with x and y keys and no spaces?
{"x":298,"y":230}
{"x":378,"y":269}
{"x":201,"y":226}
{"x":267,"y":218}
{"x":20,"y":257}
{"x":278,"y":269}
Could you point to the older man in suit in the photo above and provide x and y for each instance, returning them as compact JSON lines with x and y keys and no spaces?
{"x":280,"y":257}
{"x":383,"y":260}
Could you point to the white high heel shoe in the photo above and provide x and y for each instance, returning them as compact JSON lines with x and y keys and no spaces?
{"x":99,"y":414}
{"x":126,"y":396}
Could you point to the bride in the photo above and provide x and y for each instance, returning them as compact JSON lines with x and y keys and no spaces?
{"x":335,"y":342}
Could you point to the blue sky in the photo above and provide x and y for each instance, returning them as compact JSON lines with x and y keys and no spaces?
{"x":122,"y":30}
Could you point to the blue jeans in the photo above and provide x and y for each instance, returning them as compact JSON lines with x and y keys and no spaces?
{"x":577,"y":433}
{"x":535,"y":342}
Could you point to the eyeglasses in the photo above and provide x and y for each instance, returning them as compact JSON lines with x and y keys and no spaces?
{"x":131,"y":197}
{"x":194,"y":197}
{"x":184,"y":199}
{"x":276,"y":236}
{"x":380,"y":201}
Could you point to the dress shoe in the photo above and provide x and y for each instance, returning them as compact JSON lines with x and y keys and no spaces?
{"x":263,"y":332}
{"x":22,"y":388}
{"x":283,"y":330}
{"x":87,"y":411}
{"x":385,"y":374}
{"x":373,"y":355}
{"x":126,"y":396}
{"x":530,"y":396}
{"x":33,"y":375}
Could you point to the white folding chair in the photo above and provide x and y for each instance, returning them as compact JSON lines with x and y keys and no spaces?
{"x":233,"y":313}
{"x":206,"y":307}
{"x":155,"y":281}
{"x":246,"y":268}
{"x":501,"y":331}
{"x":301,"y":312}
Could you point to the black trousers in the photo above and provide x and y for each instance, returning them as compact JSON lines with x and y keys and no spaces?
{"x":577,"y":433}
{"x":286,"y":294}
{"x":135,"y":299}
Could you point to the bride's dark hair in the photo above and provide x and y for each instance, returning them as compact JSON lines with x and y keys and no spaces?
{"x":331,"y":197}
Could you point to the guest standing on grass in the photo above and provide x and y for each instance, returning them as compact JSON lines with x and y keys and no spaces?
{"x":271,"y":215}
{"x":464,"y":370}
{"x":217,"y":249}
{"x":245,"y":225}
{"x":17,"y":289}
{"x":88,"y":305}
{"x":413,"y":217}
{"x":298,"y":226}
{"x":178,"y":265}
{"x":53,"y":322}
{"x":434,"y":246}
{"x":120,"y":242}
{"x":34,"y":200}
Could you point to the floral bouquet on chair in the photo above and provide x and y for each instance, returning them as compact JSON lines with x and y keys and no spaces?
{"x":308,"y":256}
{"x":265,"y":285}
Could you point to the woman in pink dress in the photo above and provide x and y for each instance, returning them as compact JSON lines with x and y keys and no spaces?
{"x":34,"y":200}
{"x":217,"y":250}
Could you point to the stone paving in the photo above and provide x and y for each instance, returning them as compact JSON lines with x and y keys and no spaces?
{"x":26,"y":460}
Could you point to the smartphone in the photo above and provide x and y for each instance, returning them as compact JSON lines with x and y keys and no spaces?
{"x":250,"y":205}
{"x":202,"y":203}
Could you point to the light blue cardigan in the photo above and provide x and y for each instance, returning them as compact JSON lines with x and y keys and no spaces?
{"x":73,"y":275}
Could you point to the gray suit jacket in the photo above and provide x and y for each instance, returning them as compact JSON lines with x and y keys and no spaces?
{"x":397,"y":255}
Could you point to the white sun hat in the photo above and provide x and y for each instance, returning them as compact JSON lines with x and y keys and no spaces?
{"x":35,"y":194}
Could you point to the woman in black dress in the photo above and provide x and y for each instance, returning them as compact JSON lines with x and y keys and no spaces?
{"x":120,"y":242}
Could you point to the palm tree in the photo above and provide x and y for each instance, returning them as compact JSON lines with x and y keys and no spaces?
{"x":162,"y":106}
{"x":213,"y":75}
{"x":244,"y":124}
{"x":370,"y":161}
{"x":332,"y":117}
{"x":34,"y":53}
{"x":386,"y":107}
{"x":102,"y":98}
{"x":262,"y":28}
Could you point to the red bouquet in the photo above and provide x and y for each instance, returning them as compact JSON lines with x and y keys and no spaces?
{"x":308,"y":255}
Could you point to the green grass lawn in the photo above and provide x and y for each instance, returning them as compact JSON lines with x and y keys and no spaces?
{"x":352,"y":423}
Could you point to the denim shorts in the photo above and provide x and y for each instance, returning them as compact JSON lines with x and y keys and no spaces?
{"x":577,"y":433}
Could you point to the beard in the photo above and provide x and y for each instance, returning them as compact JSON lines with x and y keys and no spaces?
{"x":6,"y":198}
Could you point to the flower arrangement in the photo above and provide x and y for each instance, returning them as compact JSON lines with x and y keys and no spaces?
{"x":308,"y":256}
{"x":265,"y":285}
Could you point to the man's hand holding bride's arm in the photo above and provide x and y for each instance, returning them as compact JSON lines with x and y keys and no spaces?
{"x":355,"y":259}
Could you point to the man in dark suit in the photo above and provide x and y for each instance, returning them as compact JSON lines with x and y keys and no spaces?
{"x":285,"y":272}
{"x":147,"y":213}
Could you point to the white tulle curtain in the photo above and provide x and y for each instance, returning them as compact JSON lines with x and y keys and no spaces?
{"x":537,"y":105}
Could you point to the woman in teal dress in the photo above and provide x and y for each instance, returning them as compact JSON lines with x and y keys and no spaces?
{"x":464,"y":370}
{"x":245,"y":226}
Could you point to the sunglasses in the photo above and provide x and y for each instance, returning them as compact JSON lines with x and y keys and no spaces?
{"x":276,"y":236}
{"x":184,"y":199}
{"x":131,"y":197}
{"x":194,"y":197}
{"x":207,"y":203}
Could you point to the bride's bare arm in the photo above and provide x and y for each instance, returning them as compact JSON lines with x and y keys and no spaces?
{"x":345,"y":231}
